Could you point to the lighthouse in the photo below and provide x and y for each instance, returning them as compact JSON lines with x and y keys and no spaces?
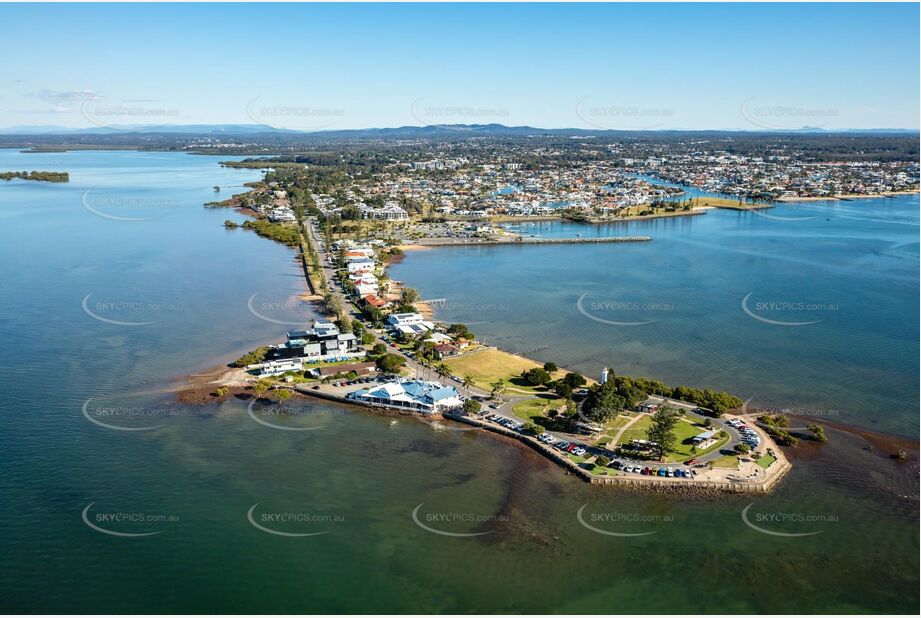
{"x":604,"y":375}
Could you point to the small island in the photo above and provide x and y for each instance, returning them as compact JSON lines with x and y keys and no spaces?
{"x":37,"y":176}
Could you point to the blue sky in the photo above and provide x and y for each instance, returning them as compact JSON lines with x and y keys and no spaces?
{"x":313,"y":67}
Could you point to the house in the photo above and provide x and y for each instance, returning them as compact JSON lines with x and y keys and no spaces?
{"x":278,"y":367}
{"x":332,"y":370}
{"x":415,"y":395}
{"x":359,"y":252}
{"x":365,"y":288}
{"x":409,"y":323}
{"x":322,"y":342}
{"x":444,"y":350}
{"x":390,"y":212}
{"x":437,"y":338}
{"x":360,"y":265}
{"x":374,"y":301}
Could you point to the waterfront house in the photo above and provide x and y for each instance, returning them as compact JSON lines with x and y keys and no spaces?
{"x":278,"y":367}
{"x":415,"y":395}
{"x":409,"y":323}
{"x":374,"y":301}
{"x":360,"y":265}
{"x":322,"y":342}
{"x":444,"y":350}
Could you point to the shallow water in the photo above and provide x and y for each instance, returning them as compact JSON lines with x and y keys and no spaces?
{"x":357,"y":478}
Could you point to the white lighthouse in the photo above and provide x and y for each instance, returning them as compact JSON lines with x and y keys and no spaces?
{"x":604,"y":375}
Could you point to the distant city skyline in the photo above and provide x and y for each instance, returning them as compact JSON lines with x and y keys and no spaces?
{"x":596,"y":66}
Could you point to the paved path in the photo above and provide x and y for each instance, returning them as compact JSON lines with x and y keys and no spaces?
{"x":617,"y":436}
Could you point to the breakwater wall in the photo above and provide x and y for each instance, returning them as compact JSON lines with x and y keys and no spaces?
{"x":645,"y":483}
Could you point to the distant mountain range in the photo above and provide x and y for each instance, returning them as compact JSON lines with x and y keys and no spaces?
{"x":404,"y":131}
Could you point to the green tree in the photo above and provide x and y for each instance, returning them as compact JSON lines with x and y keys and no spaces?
{"x":550,"y":367}
{"x":662,"y":430}
{"x":283,"y":394}
{"x":260,"y":387}
{"x":532,"y":428}
{"x":818,"y":433}
{"x":497,"y":388}
{"x":471,"y":406}
{"x":603,"y":403}
{"x":536,"y":376}
{"x":390,"y":363}
{"x":409,"y":296}
{"x":574,"y":380}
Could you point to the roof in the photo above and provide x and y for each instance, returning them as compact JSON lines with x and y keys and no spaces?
{"x":445,"y":392}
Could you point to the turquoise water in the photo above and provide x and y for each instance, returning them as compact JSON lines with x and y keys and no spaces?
{"x":356,"y":478}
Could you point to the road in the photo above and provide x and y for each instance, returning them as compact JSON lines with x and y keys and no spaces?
{"x":419,"y":370}
{"x":505,"y":409}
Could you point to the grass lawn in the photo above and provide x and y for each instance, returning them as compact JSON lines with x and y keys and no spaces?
{"x":490,"y":365}
{"x":611,"y":428}
{"x":534,"y":409}
{"x":765,"y":461}
{"x":637,"y":430}
{"x":684,"y":431}
{"x":726,"y":461}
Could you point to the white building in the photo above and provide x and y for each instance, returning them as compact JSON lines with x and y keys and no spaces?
{"x":360,"y":265}
{"x":417,"y":395}
{"x":409,"y":323}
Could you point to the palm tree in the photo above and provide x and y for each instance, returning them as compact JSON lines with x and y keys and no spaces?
{"x":468,"y":382}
